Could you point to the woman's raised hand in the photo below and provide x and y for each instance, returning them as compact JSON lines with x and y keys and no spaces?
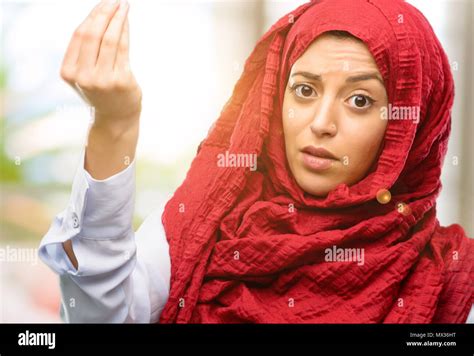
{"x":96,"y":65}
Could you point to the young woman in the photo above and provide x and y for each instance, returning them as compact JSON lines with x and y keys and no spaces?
{"x":313,"y":198}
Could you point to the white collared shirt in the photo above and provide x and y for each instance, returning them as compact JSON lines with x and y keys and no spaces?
{"x":122,"y":276}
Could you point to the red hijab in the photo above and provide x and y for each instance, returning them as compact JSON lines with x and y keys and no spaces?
{"x":249,"y":246}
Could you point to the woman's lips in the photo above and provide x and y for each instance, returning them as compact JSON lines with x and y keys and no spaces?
{"x":315,"y":163}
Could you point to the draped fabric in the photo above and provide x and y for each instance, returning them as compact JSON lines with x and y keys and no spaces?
{"x":249,"y":245}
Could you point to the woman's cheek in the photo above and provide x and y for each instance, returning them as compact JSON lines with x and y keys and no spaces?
{"x":367,"y":146}
{"x":293,"y":123}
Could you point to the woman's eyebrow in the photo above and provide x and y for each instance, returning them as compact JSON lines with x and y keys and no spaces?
{"x":364,"y":76}
{"x":351,"y":79}
{"x":309,"y":75}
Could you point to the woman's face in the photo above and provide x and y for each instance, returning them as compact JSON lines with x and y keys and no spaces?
{"x":332,"y":119}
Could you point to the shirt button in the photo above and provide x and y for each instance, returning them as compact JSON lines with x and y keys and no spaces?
{"x":75,"y":220}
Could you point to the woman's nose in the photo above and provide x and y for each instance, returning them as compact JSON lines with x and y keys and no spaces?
{"x":324,"y":121}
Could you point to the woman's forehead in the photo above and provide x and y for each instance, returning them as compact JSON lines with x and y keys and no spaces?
{"x":333,"y":55}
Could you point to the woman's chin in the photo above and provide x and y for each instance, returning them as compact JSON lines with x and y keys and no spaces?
{"x":316,"y":185}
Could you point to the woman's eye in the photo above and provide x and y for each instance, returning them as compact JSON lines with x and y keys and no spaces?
{"x":360,"y":101}
{"x":303,"y":91}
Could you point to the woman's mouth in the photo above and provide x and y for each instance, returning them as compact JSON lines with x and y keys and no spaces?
{"x":317,"y":159}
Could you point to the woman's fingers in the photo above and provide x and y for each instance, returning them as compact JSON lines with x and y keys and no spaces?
{"x":113,"y":36}
{"x":122,"y":59}
{"x":68,"y":66}
{"x":96,"y":64}
{"x":92,"y":35}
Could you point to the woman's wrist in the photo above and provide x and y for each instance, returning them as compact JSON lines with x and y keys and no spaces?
{"x":116,"y":128}
{"x":110,"y":149}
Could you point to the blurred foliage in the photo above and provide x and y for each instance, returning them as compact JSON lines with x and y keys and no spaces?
{"x":9,"y":171}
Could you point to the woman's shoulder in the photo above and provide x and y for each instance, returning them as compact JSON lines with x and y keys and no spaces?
{"x":456,"y":249}
{"x":453,"y":235}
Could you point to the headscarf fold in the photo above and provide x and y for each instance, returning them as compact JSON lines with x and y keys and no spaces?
{"x":249,"y":246}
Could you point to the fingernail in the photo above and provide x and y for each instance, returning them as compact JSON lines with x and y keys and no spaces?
{"x":123,"y":4}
